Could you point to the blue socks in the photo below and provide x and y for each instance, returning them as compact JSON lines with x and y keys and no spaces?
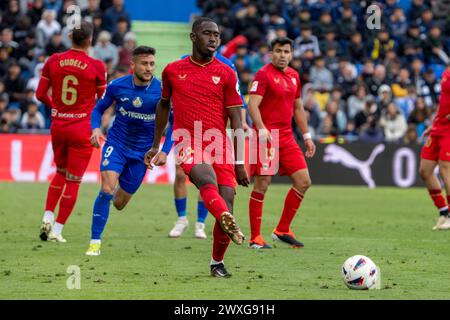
{"x":181,"y":204}
{"x":100,"y":214}
{"x":202,"y":212}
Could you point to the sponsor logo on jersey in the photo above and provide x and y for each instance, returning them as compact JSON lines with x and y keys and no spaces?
{"x":137,"y":102}
{"x":105,"y":162}
{"x":216,"y":80}
{"x":277,"y":80}
{"x":254,"y":86}
{"x":182,"y":76}
{"x":137,"y":115}
{"x":294,"y":81}
{"x":124,"y":99}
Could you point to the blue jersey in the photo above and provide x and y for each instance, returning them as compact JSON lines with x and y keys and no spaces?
{"x":135,"y":107}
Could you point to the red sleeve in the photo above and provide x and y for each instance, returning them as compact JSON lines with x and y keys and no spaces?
{"x":166,"y":86}
{"x":232,"y":95}
{"x":259,"y":83}
{"x":445,"y":82}
{"x":298,"y":93}
{"x":101,"y":78}
{"x":44,"y":84}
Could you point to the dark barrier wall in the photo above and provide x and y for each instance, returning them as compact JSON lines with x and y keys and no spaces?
{"x":365,"y":164}
{"x":161,"y":10}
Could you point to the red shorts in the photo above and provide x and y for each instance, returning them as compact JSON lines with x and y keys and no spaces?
{"x":225,"y":175}
{"x":286,"y":160}
{"x":436,"y":148}
{"x":72,"y":149}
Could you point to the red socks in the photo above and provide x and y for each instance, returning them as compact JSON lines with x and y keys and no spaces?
{"x":55,"y":190}
{"x":213,"y":201}
{"x":68,"y":200}
{"x":255,"y":206}
{"x":220,"y":243}
{"x":438,"y":198}
{"x":291,"y":205}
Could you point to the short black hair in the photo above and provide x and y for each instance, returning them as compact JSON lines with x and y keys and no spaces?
{"x":82,"y":34}
{"x":281,"y":41}
{"x":198,"y":22}
{"x":144,"y":50}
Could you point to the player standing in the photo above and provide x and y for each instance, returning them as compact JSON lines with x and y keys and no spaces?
{"x":274,"y":99}
{"x":436,"y":152}
{"x":75,"y":79}
{"x":131,"y":135}
{"x":204,"y":92}
{"x":179,"y":185}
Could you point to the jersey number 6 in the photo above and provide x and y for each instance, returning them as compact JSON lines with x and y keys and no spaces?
{"x":66,"y":90}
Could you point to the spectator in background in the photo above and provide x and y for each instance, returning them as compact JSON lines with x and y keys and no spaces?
{"x":370,"y":112}
{"x":27,"y":50}
{"x":411,"y":136}
{"x":350,"y":134}
{"x":435,"y":47}
{"x":420,"y":116}
{"x":371,"y":132}
{"x":15,"y":85}
{"x":401,"y":83}
{"x":406,"y":104}
{"x":381,"y":44}
{"x":22,"y":28}
{"x":5,"y":61}
{"x":393,"y":123}
{"x":121,"y":29}
{"x":356,"y":49}
{"x":46,"y":27}
{"x":375,"y":80}
{"x":12,"y":14}
{"x":346,"y":78}
{"x":325,"y":23}
{"x":113,"y":14}
{"x":337,"y":116}
{"x":3,"y":106}
{"x":249,"y":18}
{"x":32,"y":119}
{"x":329,"y":42}
{"x":55,"y":45}
{"x":13,"y":118}
{"x":260,"y":58}
{"x":397,"y":23}
{"x":8,"y":42}
{"x":91,"y":10}
{"x":306,"y":42}
{"x":433,"y":85}
{"x":347,"y":25}
{"x":332,"y":61}
{"x":425,"y":22}
{"x":97,"y":22}
{"x":384,"y":97}
{"x":36,"y":11}
{"x":416,"y":9}
{"x":320,"y":77}
{"x":242,"y":53}
{"x":273,"y":21}
{"x":126,"y":51}
{"x":357,"y":101}
{"x":105,"y":50}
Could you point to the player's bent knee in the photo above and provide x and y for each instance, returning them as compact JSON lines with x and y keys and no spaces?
{"x":424,"y":173}
{"x":106,"y":188}
{"x":73,"y":178}
{"x":303,"y":185}
{"x":120,"y":205}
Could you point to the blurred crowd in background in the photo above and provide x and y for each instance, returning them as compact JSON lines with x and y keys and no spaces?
{"x":32,"y":30}
{"x":359,"y":83}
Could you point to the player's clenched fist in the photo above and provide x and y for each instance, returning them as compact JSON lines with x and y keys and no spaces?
{"x":310,"y":148}
{"x":149,"y":157}
{"x":96,"y":136}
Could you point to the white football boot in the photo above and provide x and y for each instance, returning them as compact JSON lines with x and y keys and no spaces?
{"x":200,"y":230}
{"x":179,"y":228}
{"x":445,"y":225}
{"x":56,"y":237}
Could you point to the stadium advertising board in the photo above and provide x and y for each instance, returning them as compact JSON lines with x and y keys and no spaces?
{"x":29,"y":158}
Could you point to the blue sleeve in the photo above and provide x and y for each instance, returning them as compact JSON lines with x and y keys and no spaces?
{"x":104,"y":103}
{"x":239,"y":84}
{"x":168,"y":142}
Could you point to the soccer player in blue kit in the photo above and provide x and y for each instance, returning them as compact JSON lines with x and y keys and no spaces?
{"x":131,"y":135}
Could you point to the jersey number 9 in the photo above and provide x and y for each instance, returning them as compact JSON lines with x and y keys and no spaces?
{"x":69,"y":91}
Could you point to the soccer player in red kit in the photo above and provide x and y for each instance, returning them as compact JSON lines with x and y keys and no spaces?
{"x":436,"y":152}
{"x":274,"y":99}
{"x":75,"y":79}
{"x":204,"y":91}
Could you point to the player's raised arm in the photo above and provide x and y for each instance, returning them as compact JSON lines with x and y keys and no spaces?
{"x":96,"y":117}
{"x":302,"y":123}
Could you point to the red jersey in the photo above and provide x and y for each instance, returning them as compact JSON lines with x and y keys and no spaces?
{"x":441,"y":125}
{"x":279,"y":90}
{"x":200,"y":93}
{"x":75,"y":79}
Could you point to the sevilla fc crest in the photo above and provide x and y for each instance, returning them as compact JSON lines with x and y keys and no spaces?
{"x":216,"y":80}
{"x":294,"y":81}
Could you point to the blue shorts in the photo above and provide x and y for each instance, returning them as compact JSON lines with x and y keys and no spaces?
{"x":131,"y":170}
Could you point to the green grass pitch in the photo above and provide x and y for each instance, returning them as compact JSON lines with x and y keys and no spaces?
{"x":138,"y":261}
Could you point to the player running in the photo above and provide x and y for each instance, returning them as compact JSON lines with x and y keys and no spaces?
{"x":131,"y":135}
{"x":179,"y":185}
{"x":274,"y":99}
{"x":75,"y":79}
{"x":204,"y":94}
{"x":436,"y":152}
